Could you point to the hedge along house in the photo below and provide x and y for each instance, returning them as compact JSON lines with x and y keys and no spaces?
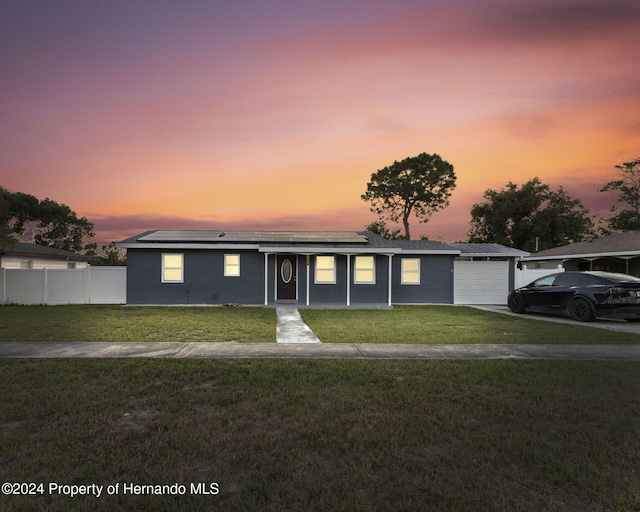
{"x":305,"y":268}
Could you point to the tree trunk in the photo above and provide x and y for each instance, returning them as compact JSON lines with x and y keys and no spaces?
{"x":405,"y":221}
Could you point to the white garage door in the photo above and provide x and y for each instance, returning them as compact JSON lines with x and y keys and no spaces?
{"x":480,"y":282}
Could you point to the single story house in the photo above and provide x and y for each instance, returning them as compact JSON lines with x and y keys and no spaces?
{"x":614,"y":253}
{"x":27,"y":255}
{"x":309,"y":268}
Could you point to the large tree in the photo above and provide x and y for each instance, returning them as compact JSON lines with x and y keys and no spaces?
{"x":529,"y":217}
{"x":47,"y":221}
{"x":419,"y":186}
{"x":627,"y":216}
{"x":6,"y":240}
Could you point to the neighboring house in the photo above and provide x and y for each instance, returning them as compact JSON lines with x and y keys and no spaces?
{"x":309,"y":268}
{"x":614,"y":253}
{"x":27,"y":255}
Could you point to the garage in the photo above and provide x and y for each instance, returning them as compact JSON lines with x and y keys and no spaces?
{"x":480,"y":282}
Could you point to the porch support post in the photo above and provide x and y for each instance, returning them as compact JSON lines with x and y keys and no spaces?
{"x":348,"y":279}
{"x":275,"y":278}
{"x":390,"y":275}
{"x":266,"y":278}
{"x":308,"y":265}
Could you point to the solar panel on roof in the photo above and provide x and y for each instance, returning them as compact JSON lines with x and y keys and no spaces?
{"x":294,"y":236}
{"x":208,"y":236}
{"x":181,"y":236}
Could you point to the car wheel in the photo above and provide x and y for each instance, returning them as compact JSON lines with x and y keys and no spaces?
{"x":580,"y":310}
{"x":516,"y":303}
{"x":636,"y":319}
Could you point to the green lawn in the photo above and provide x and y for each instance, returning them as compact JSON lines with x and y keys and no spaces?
{"x":448,"y":324}
{"x":302,"y":435}
{"x":403,"y":324}
{"x":124,"y":323}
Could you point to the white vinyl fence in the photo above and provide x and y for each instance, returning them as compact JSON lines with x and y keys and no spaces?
{"x":526,"y":275}
{"x":91,"y":285}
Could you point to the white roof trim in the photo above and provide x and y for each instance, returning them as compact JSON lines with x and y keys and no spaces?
{"x":184,"y":246}
{"x":275,"y":249}
{"x":629,"y":254}
{"x":488,"y":255}
{"x":450,"y":252}
{"x":327,"y":250}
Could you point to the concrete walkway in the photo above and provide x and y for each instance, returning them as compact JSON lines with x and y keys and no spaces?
{"x":291,"y":328}
{"x":315,"y":351}
{"x":598,"y":323}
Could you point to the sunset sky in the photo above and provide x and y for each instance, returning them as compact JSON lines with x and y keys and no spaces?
{"x":263,"y":114}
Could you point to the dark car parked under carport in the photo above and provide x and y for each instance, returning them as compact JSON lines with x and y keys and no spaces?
{"x":581,"y":295}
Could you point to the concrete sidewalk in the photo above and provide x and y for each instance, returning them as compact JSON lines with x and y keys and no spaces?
{"x":315,"y":351}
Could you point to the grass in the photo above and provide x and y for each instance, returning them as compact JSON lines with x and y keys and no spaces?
{"x":403,"y":324}
{"x":447,"y":324}
{"x":122,"y":324}
{"x":301,"y":435}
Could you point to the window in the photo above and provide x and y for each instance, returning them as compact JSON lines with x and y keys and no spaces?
{"x":410,"y":270}
{"x":26,"y":264}
{"x":544,"y":281}
{"x":325,"y":269}
{"x":365,"y":270}
{"x":172,"y":268}
{"x":232,"y":265}
{"x":71,"y":264}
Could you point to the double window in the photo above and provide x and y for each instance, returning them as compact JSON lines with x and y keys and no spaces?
{"x":364,"y":270}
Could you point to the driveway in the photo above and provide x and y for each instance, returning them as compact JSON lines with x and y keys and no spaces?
{"x":600,"y":323}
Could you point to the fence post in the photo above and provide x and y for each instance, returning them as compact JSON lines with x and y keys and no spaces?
{"x":86,"y":285}
{"x":45,"y":285}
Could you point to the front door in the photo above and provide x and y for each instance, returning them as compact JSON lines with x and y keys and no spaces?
{"x":286,"y":276}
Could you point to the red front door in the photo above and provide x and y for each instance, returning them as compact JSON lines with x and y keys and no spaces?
{"x":286,"y":276}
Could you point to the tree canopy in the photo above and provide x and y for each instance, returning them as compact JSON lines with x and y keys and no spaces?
{"x":380,"y":228}
{"x":517,"y":216}
{"x":627,"y":216}
{"x":418,"y":186}
{"x":47,"y":221}
{"x":5,"y":232}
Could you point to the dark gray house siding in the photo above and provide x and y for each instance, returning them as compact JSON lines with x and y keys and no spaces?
{"x":436,"y":280}
{"x":204,"y":281}
{"x":376,"y":293}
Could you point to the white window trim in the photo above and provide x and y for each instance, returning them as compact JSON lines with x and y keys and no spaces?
{"x":229,"y":266}
{"x":403,"y":272}
{"x":372,"y":269}
{"x":332,"y":268}
{"x":181,"y":267}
